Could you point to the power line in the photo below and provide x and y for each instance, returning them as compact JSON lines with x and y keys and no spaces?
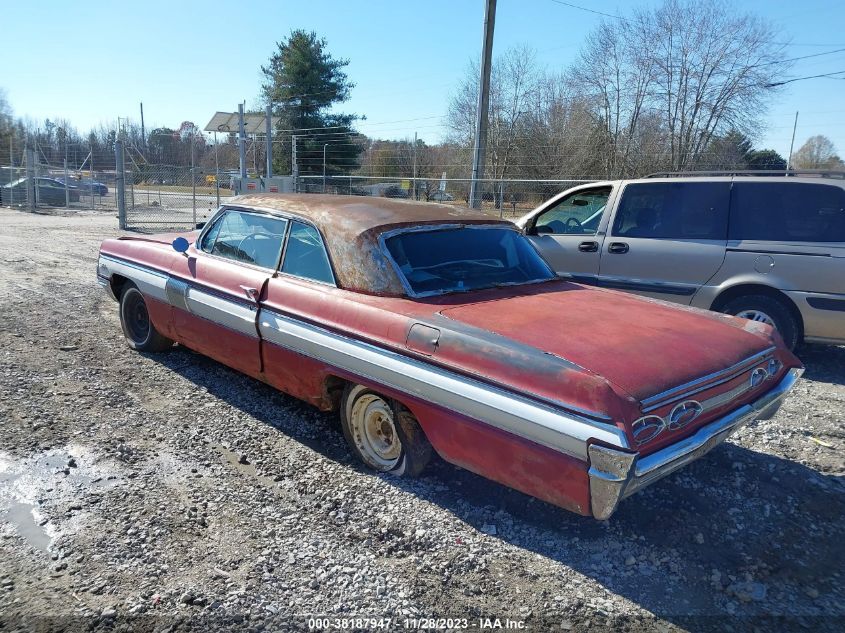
{"x":575,"y":6}
{"x":789,"y":81}
{"x":793,"y":59}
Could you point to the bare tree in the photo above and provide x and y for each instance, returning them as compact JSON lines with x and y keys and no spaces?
{"x":700,"y":66}
{"x":513,"y":84}
{"x":817,"y":153}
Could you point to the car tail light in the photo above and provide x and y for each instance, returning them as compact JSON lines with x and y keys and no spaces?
{"x":647,"y":428}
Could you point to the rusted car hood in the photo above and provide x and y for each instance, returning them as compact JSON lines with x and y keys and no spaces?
{"x":642,"y":346}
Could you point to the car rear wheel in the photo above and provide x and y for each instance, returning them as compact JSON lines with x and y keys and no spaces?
{"x":138,"y":328}
{"x":382,"y":433}
{"x":766,"y":310}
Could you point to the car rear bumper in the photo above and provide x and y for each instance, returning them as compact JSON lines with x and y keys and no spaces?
{"x":615,"y":474}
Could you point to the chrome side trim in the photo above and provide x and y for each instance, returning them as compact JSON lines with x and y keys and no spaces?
{"x":231,"y":314}
{"x":705,"y":382}
{"x":150,"y":282}
{"x":177,"y":293}
{"x":507,"y":411}
{"x":610,"y":482}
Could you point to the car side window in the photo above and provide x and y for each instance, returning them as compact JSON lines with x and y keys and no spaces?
{"x":787,"y":212}
{"x":305,"y":255}
{"x":246,"y":237}
{"x":576,"y":214}
{"x":674,"y":210}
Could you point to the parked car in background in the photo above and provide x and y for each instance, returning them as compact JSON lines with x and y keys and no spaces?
{"x":88,"y":187}
{"x":766,"y":248}
{"x":48,"y":191}
{"x":434,"y":328}
{"x":440,"y":196}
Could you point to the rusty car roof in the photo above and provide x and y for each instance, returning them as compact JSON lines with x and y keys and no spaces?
{"x":351,"y":226}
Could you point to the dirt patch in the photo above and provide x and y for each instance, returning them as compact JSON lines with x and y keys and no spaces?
{"x":202,"y":499}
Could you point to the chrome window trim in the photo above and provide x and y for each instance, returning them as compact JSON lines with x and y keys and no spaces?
{"x":430,"y":228}
{"x":221,"y":212}
{"x":704,"y":382}
{"x":279,"y":270}
{"x":284,"y":215}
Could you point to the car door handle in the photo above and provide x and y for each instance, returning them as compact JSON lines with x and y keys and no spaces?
{"x":588,"y":247}
{"x":617,"y":247}
{"x":252,"y":293}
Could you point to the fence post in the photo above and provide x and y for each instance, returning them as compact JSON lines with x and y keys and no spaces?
{"x":30,"y":178}
{"x":121,"y":185}
{"x":193,"y":187}
{"x":11,"y":172}
{"x":67,"y":190}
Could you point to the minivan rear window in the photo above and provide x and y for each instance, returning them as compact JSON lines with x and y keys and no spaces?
{"x":674,"y":210}
{"x":787,"y":212}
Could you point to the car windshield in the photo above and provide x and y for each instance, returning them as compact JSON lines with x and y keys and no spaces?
{"x":465,"y":258}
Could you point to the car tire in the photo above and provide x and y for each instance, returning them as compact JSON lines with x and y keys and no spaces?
{"x":382,"y":433}
{"x":137,"y":326}
{"x":768,"y":310}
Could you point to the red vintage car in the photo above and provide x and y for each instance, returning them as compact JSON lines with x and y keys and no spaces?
{"x":434,"y":328}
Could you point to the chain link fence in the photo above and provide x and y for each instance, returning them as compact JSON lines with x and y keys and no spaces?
{"x":33,"y":179}
{"x":162,"y":197}
{"x":504,"y":198}
{"x":158,"y":197}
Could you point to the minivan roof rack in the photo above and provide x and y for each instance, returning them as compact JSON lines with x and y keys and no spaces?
{"x":816,"y":173}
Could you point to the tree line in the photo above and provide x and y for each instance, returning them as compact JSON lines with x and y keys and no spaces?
{"x":672,"y":87}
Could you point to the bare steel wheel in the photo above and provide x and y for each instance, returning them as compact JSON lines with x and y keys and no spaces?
{"x":382,"y":433}
{"x":137,"y":326}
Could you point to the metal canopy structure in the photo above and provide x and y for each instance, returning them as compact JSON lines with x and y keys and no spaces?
{"x":228,"y":122}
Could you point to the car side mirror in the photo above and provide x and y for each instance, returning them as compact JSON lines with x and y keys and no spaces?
{"x":181,"y":245}
{"x":531,"y":230}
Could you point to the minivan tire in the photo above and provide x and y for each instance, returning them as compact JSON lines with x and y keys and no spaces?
{"x":784,"y":321}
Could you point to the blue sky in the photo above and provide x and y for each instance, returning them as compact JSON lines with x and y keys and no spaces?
{"x":91,"y":62}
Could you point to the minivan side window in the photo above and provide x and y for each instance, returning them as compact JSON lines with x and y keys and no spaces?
{"x":787,"y":212}
{"x":578,"y":214}
{"x":674,"y":210}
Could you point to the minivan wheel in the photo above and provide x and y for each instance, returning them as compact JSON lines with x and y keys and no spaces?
{"x":382,"y":433}
{"x":766,"y":310}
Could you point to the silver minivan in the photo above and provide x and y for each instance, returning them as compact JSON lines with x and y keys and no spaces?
{"x":767,"y":248}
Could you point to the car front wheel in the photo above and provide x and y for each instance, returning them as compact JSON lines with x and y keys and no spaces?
{"x":382,"y":433}
{"x":769,"y":311}
{"x":138,"y":328}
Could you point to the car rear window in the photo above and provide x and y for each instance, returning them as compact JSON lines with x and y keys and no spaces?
{"x":787,"y":212}
{"x":674,"y":210}
{"x":465,"y":258}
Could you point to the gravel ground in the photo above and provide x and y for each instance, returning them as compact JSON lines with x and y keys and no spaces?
{"x":169,"y":493}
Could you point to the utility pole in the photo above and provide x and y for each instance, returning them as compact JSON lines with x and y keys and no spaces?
{"x":325,"y":145}
{"x":241,"y":141}
{"x":216,"y":172}
{"x":143,"y":135}
{"x":193,"y":182}
{"x":294,"y":170}
{"x":269,"y":128}
{"x":478,"y":154}
{"x":414,"y":181}
{"x":791,"y":144}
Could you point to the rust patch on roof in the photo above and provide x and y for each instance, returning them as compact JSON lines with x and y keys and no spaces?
{"x":351,"y":226}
